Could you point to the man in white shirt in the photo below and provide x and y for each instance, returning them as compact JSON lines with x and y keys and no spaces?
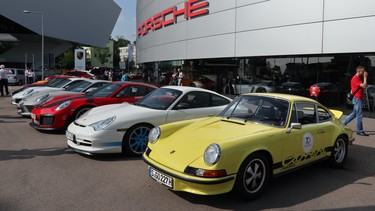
{"x":29,"y":76}
{"x":4,"y":80}
{"x":180,"y":77}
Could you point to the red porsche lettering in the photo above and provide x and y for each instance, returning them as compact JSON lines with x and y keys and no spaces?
{"x":190,"y":9}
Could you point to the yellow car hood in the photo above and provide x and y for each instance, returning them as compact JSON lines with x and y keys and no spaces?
{"x":188,"y":144}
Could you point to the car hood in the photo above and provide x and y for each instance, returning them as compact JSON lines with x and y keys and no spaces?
{"x":188,"y":144}
{"x":123,"y":112}
{"x":37,"y":90}
{"x":51,"y":93}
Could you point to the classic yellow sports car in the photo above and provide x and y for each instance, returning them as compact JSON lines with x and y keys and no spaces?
{"x":256,"y":137}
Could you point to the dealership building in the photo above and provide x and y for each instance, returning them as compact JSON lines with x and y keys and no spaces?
{"x":306,"y":41}
{"x":59,"y":24}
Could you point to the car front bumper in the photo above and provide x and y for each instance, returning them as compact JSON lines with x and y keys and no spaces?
{"x":86,"y":140}
{"x":193,"y":184}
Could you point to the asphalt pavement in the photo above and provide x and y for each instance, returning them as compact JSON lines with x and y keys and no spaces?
{"x":39,"y":172}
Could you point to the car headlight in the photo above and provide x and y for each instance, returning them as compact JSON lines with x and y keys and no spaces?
{"x":154,"y":134}
{"x":101,"y":125}
{"x":212,"y":154}
{"x":42,"y":98}
{"x":63,"y":105}
{"x":28,"y":92}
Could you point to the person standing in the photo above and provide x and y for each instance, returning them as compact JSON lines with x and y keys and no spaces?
{"x":29,"y":76}
{"x":180,"y":77}
{"x":4,"y":80}
{"x":106,"y":74}
{"x":124,"y":76}
{"x":110,"y":75}
{"x":357,"y":88}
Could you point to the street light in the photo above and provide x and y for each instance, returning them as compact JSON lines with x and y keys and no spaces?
{"x":42,"y":14}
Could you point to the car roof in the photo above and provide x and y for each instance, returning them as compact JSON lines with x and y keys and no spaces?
{"x":283,"y":96}
{"x":187,"y":88}
{"x":131,"y":83}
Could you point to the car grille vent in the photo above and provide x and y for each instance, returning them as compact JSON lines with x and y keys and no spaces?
{"x":148,"y":151}
{"x":190,"y":170}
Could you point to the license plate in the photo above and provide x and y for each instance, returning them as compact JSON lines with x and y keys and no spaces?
{"x":161,"y":178}
{"x":69,"y":135}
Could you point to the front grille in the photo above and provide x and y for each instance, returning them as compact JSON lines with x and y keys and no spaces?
{"x":86,"y":143}
{"x":148,"y":151}
{"x":190,"y":170}
{"x":46,"y":120}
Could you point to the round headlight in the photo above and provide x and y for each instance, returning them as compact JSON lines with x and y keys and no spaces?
{"x":212,"y":154}
{"x":154,"y":135}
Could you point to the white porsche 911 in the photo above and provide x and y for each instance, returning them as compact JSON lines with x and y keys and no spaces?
{"x":124,"y":127}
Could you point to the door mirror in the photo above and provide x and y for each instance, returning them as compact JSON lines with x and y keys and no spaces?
{"x":297,"y":126}
{"x":90,"y":90}
{"x":182,"y":106}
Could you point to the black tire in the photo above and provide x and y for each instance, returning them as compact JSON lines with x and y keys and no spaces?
{"x":136,"y":139}
{"x":339,"y":152}
{"x":19,"y":83}
{"x":254,"y":171}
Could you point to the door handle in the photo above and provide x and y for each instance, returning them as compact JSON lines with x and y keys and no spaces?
{"x":321,"y":131}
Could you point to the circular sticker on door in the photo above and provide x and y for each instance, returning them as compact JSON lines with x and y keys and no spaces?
{"x":307,"y":142}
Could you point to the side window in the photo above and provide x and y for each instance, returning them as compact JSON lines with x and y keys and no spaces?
{"x":306,"y":113}
{"x":323,"y":115}
{"x":218,"y":100}
{"x":196,"y":99}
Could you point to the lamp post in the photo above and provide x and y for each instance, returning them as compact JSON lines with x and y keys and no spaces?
{"x":42,"y":14}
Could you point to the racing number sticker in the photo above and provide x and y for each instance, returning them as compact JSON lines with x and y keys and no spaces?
{"x":307,"y":142}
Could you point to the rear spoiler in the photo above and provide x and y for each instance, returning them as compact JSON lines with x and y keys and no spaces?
{"x":338,"y":114}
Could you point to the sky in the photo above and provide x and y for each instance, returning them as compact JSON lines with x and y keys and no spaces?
{"x":125,"y":25}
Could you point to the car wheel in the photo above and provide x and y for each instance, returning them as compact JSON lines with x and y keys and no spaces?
{"x":135,"y":140}
{"x":80,"y":111}
{"x":19,"y":83}
{"x":252,"y":177}
{"x":339,"y":152}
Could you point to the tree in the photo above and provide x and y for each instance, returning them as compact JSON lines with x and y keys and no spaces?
{"x":118,"y":42}
{"x":66,"y":59}
{"x":102,"y":55}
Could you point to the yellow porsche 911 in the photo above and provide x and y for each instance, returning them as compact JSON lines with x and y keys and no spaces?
{"x":256,"y":137}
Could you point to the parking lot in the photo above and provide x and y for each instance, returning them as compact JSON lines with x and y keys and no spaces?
{"x":39,"y":172}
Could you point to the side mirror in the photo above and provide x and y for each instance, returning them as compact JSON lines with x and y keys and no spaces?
{"x":182,"y":106}
{"x":297,"y":126}
{"x":90,"y":90}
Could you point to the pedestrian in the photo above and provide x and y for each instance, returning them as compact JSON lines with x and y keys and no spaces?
{"x":29,"y":76}
{"x":357,"y":89}
{"x":314,"y":92}
{"x":106,"y":74}
{"x":180,"y":77}
{"x":4,"y":80}
{"x":174,"y":78}
{"x":124,"y":76}
{"x":110,"y":75}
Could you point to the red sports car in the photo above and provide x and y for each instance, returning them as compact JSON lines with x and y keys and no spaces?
{"x":58,"y":113}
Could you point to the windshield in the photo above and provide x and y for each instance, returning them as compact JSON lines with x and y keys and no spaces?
{"x":104,"y":91}
{"x":78,"y":87}
{"x":60,"y":82}
{"x":259,"y":109}
{"x":159,"y":99}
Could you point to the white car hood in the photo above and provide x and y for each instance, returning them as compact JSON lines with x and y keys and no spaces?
{"x":125,"y":114}
{"x":51,"y":94}
{"x":35,"y":89}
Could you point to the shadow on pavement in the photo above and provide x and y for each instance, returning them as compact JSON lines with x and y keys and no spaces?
{"x":111,"y":157}
{"x":299,"y":186}
{"x":31,"y":153}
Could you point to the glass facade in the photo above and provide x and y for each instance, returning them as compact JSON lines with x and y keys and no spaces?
{"x":288,"y":74}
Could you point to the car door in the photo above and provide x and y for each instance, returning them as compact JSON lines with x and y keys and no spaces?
{"x":301,"y":146}
{"x":192,"y":105}
{"x":325,"y":134}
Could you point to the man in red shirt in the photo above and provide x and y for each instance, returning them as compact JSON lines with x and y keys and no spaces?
{"x":358,"y":87}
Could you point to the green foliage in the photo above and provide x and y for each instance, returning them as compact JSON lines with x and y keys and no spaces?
{"x":118,"y":42}
{"x":102,"y":54}
{"x":66,"y":59}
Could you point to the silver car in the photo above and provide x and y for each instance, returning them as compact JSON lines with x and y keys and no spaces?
{"x":17,"y":77}
{"x":29,"y":103}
